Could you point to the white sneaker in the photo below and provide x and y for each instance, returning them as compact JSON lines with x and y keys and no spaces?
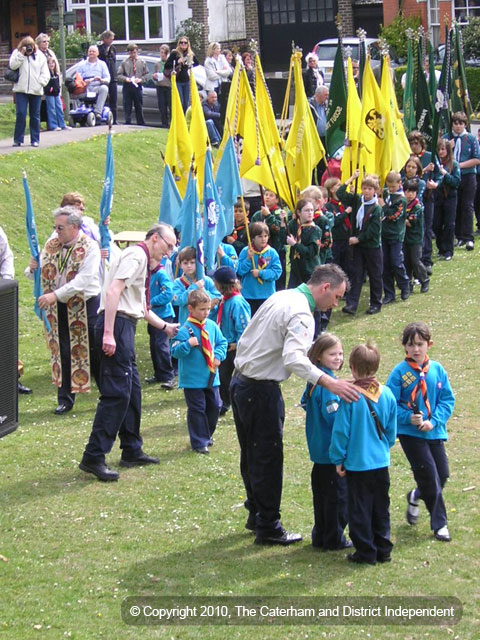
{"x":412,"y":508}
{"x":58,"y":129}
{"x":469,"y":246}
{"x":442,"y":534}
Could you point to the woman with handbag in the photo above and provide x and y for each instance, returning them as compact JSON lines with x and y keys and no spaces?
{"x":179,"y":62}
{"x":33,"y":77}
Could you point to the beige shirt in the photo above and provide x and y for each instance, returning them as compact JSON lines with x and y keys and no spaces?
{"x":131,"y":267}
{"x":125,"y":70}
{"x":275,"y":343}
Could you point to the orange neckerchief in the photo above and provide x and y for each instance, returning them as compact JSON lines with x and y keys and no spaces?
{"x":204,"y":343}
{"x":421,"y":386}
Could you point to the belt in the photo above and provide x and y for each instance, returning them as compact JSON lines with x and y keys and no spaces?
{"x":243,"y":378}
{"x":121,"y":314}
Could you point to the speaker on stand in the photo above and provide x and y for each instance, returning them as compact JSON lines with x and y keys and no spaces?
{"x":9,"y":356}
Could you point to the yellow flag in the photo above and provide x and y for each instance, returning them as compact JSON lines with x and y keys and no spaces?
{"x":198,"y":134}
{"x":352,"y":159}
{"x":271,"y":173}
{"x":303,"y":146}
{"x":400,"y":147}
{"x":376,"y":127}
{"x":178,"y":153}
{"x":231,"y":114}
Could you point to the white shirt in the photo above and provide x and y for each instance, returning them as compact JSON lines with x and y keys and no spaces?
{"x":275,"y":343}
{"x":7,"y":270}
{"x":131,"y":267}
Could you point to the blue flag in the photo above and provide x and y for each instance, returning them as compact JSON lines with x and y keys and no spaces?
{"x":190,"y":215}
{"x":171,"y":200}
{"x":229,"y":189}
{"x":107,"y":194}
{"x":212,"y":214}
{"x":34,"y":252}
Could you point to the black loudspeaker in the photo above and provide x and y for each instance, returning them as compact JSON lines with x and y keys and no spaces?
{"x":9,"y":356}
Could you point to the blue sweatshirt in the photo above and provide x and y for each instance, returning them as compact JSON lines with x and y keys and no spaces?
{"x":236,"y":315}
{"x":321,"y":407}
{"x":161,"y":294}
{"x":251,"y":288}
{"x":180,"y":295}
{"x":402,"y":381}
{"x":193,"y":372}
{"x":355,"y":441}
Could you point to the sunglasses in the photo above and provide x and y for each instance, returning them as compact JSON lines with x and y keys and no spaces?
{"x":183,"y":42}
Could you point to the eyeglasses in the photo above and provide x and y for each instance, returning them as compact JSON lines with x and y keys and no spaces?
{"x":170,"y":246}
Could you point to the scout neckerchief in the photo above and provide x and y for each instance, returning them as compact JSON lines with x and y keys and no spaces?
{"x":420,"y":388}
{"x":145,"y":248}
{"x":459,"y":140}
{"x":261,"y":263}
{"x":225,"y":297}
{"x":341,"y":209}
{"x":238,"y":229}
{"x":410,"y":207}
{"x":398,"y":192}
{"x":303,"y":288}
{"x":361,"y":209}
{"x":300,"y":228}
{"x":371,"y":390}
{"x":204,"y":342}
{"x":185,"y":281}
{"x":54,"y":266}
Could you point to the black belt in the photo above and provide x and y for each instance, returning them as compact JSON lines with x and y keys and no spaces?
{"x":243,"y":378}
{"x":121,"y":314}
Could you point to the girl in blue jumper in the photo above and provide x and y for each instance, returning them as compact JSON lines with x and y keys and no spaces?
{"x":258,"y":279}
{"x":425,"y":402}
{"x":328,"y":489}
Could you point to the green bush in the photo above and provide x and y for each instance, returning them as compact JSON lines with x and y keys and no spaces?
{"x":471,"y":39}
{"x":76,"y":42}
{"x":193,"y":30}
{"x":395,"y":33}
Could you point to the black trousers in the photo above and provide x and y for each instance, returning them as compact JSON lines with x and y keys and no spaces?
{"x":429,"y":464}
{"x":465,"y":206}
{"x":225,"y":372}
{"x":358,"y":261}
{"x":444,"y":221}
{"x":160,"y":353}
{"x":112,"y":99}
{"x":414,"y":266}
{"x":428,"y":214}
{"x":368,"y":513}
{"x":120,"y":406}
{"x":164,"y":98}
{"x":259,"y":413}
{"x":133,"y":96}
{"x":64,"y":393}
{"x":329,"y":507}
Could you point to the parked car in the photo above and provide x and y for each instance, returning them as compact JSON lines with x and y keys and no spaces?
{"x":326,"y":50}
{"x":439,"y":55}
{"x":150,"y":104}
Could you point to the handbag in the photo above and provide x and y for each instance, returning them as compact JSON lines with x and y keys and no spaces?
{"x":12,"y":75}
{"x":80,"y":85}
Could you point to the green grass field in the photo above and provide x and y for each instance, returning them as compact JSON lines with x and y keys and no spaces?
{"x":73,"y":548}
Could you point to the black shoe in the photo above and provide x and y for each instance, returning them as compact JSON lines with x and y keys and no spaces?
{"x":203,"y":450}
{"x":460,"y":243}
{"x":429,"y":269}
{"x":442,"y":534}
{"x":251,"y":522}
{"x":349,"y":310}
{"x":223,"y":410}
{"x":169,"y":385}
{"x":469,"y":246}
{"x":388,"y":301}
{"x":284,"y":538}
{"x":372,"y":310}
{"x":405,"y":294}
{"x":152,"y":380}
{"x":354,"y":557}
{"x":100,"y":470}
{"x":62,"y":408}
{"x":383,"y":559}
{"x":412,"y":508}
{"x":23,"y":389}
{"x":98,"y":118}
{"x":138,"y":461}
{"x":447,"y":257}
{"x":425,"y":286}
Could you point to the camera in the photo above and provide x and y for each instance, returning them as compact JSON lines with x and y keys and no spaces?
{"x":28,"y":50}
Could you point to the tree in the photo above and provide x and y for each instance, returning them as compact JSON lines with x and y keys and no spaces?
{"x":471,"y":39}
{"x":395,"y":34}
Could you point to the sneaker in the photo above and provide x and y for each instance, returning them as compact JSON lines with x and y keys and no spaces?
{"x":425,"y":286}
{"x":412,"y":508}
{"x":17,"y":144}
{"x":442,"y":534}
{"x":469,"y":246}
{"x":169,"y":385}
{"x":34,"y":144}
{"x":58,"y":129}
{"x":447,"y":258}
{"x":429,"y":269}
{"x":460,"y":243}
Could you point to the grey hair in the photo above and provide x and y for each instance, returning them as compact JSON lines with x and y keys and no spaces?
{"x":321,"y":90}
{"x":107,"y":34}
{"x":159,"y":228}
{"x":40,"y":37}
{"x":73,"y":215}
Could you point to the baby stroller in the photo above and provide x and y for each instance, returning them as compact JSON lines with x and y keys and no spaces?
{"x":82,"y":109}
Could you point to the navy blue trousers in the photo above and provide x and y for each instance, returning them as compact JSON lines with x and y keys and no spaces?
{"x":340,"y":253}
{"x":64,"y":393}
{"x":429,"y":464}
{"x":164,"y":99}
{"x":132,"y":96}
{"x":444,"y":221}
{"x":203,"y":407}
{"x":393,"y":268}
{"x":329,"y":507}
{"x":259,"y":413}
{"x":428,"y":214}
{"x":368,"y":513}
{"x":225,"y":372}
{"x":465,"y":207}
{"x":413,"y":263}
{"x":120,"y":406}
{"x":359,"y":260}
{"x":160,"y":353}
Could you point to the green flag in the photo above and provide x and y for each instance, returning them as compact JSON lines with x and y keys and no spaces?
{"x":423,"y":104}
{"x":460,"y":99}
{"x":408,"y":98}
{"x":432,"y":80}
{"x":337,"y":107}
{"x":441,"y":109}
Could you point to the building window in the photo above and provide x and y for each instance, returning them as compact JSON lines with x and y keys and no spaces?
{"x":279,"y":11}
{"x":317,"y":10}
{"x":138,"y":20}
{"x":236,"y":27}
{"x":463,"y":10}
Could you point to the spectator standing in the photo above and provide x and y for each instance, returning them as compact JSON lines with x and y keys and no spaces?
{"x":108,"y":53}
{"x":164,"y":87}
{"x":180,"y":61}
{"x":133,"y":73}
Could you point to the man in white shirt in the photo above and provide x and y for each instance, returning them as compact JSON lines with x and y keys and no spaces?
{"x":97,"y":78}
{"x":273,"y":346}
{"x":70,"y":264}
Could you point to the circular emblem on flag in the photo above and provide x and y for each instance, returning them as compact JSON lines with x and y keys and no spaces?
{"x":212,"y":214}
{"x":76,"y":304}
{"x":80,"y":377}
{"x":375,"y":123}
{"x":78,"y":254}
{"x":77,"y":328}
{"x":49,"y":271}
{"x":79,"y":351}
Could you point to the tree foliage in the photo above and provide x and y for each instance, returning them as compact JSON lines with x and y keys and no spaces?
{"x":76,"y":42}
{"x":471,"y":39}
{"x":395,"y":33}
{"x":193,"y":30}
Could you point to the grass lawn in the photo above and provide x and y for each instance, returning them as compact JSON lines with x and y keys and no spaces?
{"x":74,"y":548}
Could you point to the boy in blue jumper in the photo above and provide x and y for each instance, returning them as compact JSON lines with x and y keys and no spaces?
{"x":425,"y":402}
{"x":183,"y":286}
{"x":199,"y":347}
{"x":161,"y":294}
{"x":259,"y":267}
{"x":363,"y":433}
{"x":233,"y":315}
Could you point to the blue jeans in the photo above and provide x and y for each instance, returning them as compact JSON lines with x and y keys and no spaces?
{"x":213,"y":133}
{"x":22,"y":101}
{"x":184,"y":92}
{"x":54,"y":112}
